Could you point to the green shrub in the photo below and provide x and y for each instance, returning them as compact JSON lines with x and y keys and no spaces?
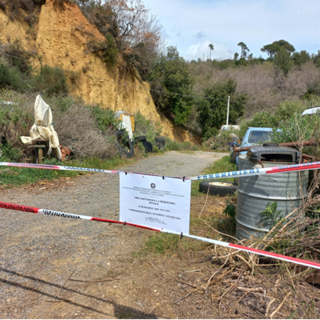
{"x":10,"y":154}
{"x":10,"y":77}
{"x":14,"y":50}
{"x":213,"y":113}
{"x":172,"y":145}
{"x":107,"y":49}
{"x":63,"y":103}
{"x":179,"y":146}
{"x":268,"y":119}
{"x":51,"y":81}
{"x":171,"y":74}
{"x":144,"y":127}
{"x":105,"y":118}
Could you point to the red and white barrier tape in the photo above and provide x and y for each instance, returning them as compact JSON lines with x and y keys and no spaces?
{"x":231,"y":174}
{"x":54,"y":213}
{"x":52,"y":167}
{"x":307,"y":263}
{"x":260,"y":171}
{"x":66,"y":168}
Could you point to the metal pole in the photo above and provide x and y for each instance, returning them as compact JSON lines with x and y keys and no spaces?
{"x":228,"y":110}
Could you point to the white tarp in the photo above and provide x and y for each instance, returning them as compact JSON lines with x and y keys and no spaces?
{"x":43,"y":127}
{"x":127,"y":123}
{"x":155,"y":202}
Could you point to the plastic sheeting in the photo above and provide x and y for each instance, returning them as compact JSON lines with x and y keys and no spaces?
{"x":127,"y":122}
{"x":43,"y":128}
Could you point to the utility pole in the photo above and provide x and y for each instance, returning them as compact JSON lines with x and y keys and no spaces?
{"x":228,"y":110}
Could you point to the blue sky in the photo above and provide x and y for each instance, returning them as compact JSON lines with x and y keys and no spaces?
{"x":192,"y":25}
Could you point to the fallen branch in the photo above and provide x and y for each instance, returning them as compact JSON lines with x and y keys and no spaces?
{"x":66,"y":282}
{"x":187,"y":295}
{"x":251,"y":289}
{"x":230,"y":289}
{"x":244,"y":260}
{"x":189,"y":284}
{"x":58,"y":296}
{"x":281,"y":304}
{"x":268,"y":306}
{"x":93,"y":281}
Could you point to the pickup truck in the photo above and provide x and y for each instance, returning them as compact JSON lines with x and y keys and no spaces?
{"x":252,"y":136}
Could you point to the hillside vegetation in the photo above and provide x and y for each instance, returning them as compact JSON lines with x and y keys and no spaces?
{"x":193,"y":94}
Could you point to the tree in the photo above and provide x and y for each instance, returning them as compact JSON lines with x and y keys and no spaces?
{"x":213,"y":110}
{"x":211,"y":47}
{"x":236,"y":56}
{"x":316,"y":59}
{"x":283,"y":61}
{"x":275,"y":46}
{"x":134,"y":30}
{"x":300,"y":58}
{"x":171,"y":74}
{"x":244,"y":50}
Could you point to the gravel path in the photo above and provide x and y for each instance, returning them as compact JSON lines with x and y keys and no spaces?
{"x":38,"y":253}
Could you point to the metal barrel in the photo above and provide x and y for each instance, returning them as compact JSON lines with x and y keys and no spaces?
{"x":254,"y":194}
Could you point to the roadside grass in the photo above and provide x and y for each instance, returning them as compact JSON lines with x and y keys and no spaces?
{"x":170,"y":244}
{"x":13,"y":177}
{"x":222,"y":165}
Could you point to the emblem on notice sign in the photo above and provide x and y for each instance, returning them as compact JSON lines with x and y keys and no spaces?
{"x":153,"y":185}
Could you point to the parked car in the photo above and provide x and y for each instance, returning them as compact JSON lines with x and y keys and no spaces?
{"x":252,"y":136}
{"x":311,"y":111}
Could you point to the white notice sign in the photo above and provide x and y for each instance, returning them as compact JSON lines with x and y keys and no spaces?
{"x":155,"y":202}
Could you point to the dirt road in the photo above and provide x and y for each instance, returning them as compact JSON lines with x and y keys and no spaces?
{"x":39,"y":253}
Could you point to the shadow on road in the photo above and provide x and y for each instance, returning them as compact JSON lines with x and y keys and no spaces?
{"x":120,"y":311}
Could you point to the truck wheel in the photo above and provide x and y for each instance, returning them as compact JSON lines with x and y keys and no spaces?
{"x":140,"y":139}
{"x":124,"y":144}
{"x":148,"y":147}
{"x":220,"y":188}
{"x":233,"y":157}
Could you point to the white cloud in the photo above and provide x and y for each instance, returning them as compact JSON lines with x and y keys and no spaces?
{"x":227,"y":22}
{"x":201,"y":50}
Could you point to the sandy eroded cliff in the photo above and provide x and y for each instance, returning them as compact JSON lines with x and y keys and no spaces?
{"x":61,"y":37}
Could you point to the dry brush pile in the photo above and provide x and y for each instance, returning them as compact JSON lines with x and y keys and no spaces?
{"x":270,"y":288}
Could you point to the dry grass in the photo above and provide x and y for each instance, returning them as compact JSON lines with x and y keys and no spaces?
{"x":77,"y":128}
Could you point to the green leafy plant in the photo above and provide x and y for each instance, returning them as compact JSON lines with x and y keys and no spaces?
{"x":275,"y":119}
{"x":231,"y":211}
{"x":10,"y":77}
{"x":271,"y":215}
{"x":10,"y":153}
{"x":51,"y":81}
{"x":145,"y":127}
{"x":105,"y":118}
